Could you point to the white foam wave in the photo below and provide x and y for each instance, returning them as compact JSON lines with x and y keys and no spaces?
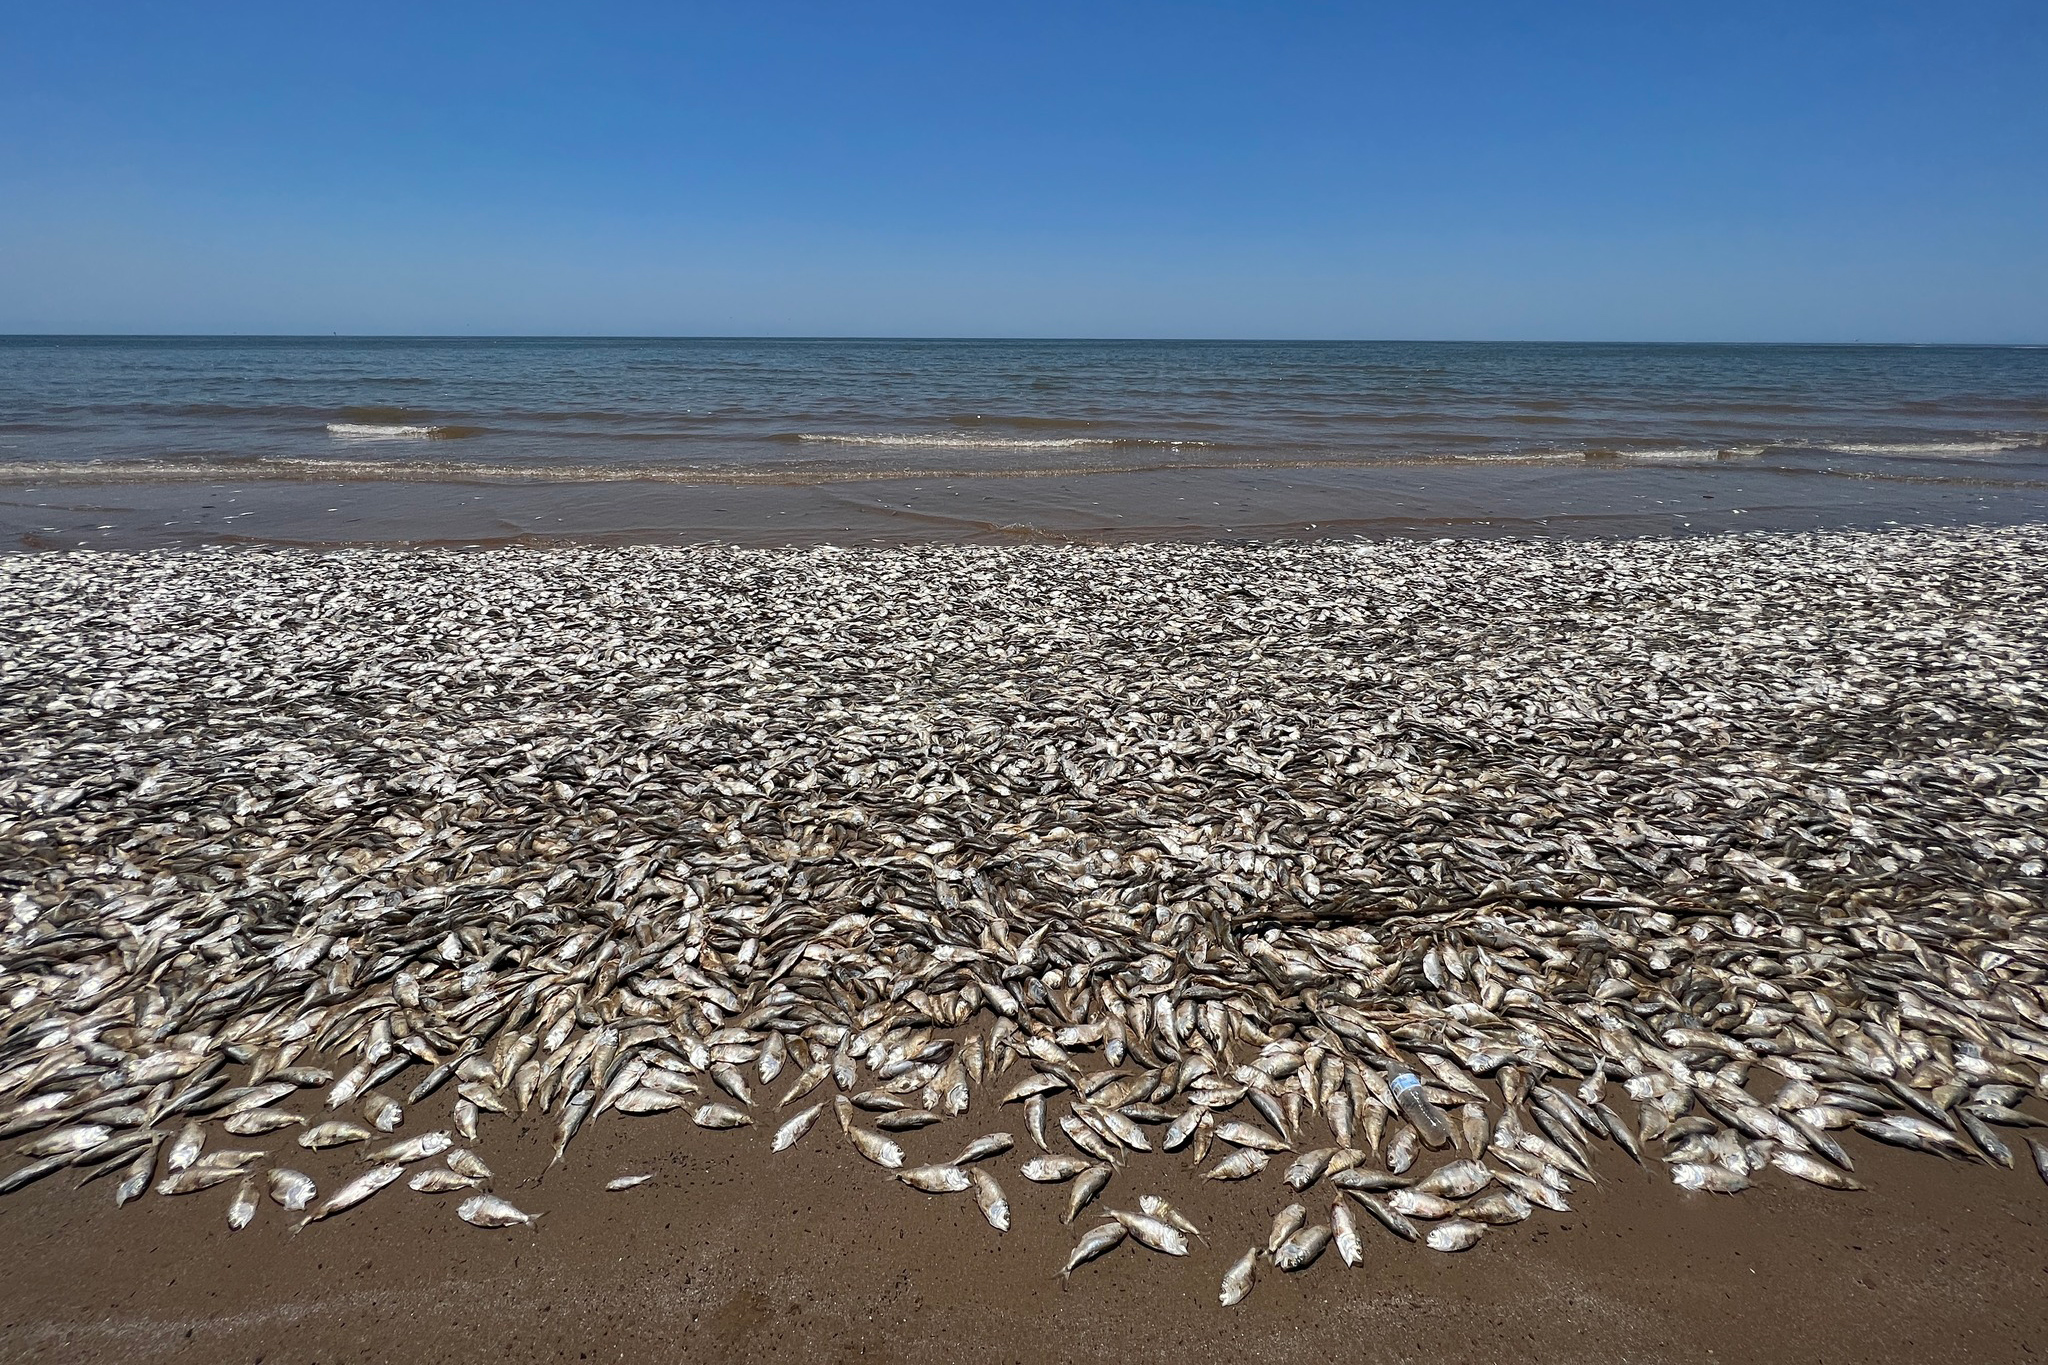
{"x":371,"y":431}
{"x":1992,"y":447}
{"x":949,"y":441}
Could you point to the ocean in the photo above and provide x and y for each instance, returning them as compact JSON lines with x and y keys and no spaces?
{"x":1303,"y":435}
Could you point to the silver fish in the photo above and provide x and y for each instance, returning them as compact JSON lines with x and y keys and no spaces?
{"x":1460,"y":1234}
{"x":355,"y":1192}
{"x":1237,"y":1281}
{"x":1344,"y":1232}
{"x":989,"y":1198}
{"x":1300,"y":1250}
{"x":1095,"y":1242}
{"x":290,"y":1189}
{"x":489,"y":1211}
{"x":792,"y":1131}
{"x":242,"y":1206}
{"x":935,"y":1179}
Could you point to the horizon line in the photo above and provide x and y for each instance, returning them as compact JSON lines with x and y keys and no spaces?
{"x":963,"y":337}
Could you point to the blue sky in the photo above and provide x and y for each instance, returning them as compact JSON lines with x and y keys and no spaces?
{"x":1727,"y":171}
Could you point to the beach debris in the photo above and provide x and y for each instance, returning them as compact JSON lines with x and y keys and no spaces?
{"x":1451,"y":874}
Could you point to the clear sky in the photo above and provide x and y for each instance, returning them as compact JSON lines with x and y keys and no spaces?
{"x":1799,"y":169}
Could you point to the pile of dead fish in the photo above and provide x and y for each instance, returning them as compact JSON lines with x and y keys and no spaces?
{"x":1715,"y":853}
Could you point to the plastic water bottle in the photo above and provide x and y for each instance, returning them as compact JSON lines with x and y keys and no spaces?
{"x":1430,"y":1123}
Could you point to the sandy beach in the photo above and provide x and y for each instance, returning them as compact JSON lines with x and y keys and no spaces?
{"x":1734,"y":838}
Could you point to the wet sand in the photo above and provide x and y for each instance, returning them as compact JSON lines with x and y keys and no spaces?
{"x":733,"y":1254}
{"x":1391,"y":500}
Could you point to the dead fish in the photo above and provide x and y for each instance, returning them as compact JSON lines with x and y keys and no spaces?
{"x":1039,"y":1084}
{"x":250,"y":1122}
{"x":1499,"y":1207}
{"x":1034,"y":1121}
{"x":135,"y":1178}
{"x":27,"y":1175}
{"x":1534,"y":1190}
{"x":792,"y":1132}
{"x":876,"y":1148}
{"x":935,"y":1179}
{"x":1344,"y":1232}
{"x":2040,"y":1151}
{"x":334,"y":1133}
{"x":988,"y":1145}
{"x":1416,"y":1204}
{"x":440,"y":1180}
{"x":721,"y":1116}
{"x":290,"y":1189}
{"x":573,"y":1113}
{"x":186,"y":1146}
{"x":1086,"y":1186}
{"x":1370,"y":1181}
{"x":489,"y":1211}
{"x":1181,"y":1129}
{"x":1807,"y":1168}
{"x":242,"y":1206}
{"x":465,"y":1162}
{"x":1167,"y":1213}
{"x":408,"y":1150}
{"x":1054,"y":1168}
{"x":1286,"y":1223}
{"x":1387,"y":1218}
{"x":989,"y":1198}
{"x":227,"y":1159}
{"x":1086,"y":1138}
{"x":1246,"y":1161}
{"x":643,"y":1100}
{"x":626,"y":1182}
{"x":1694,"y":1175}
{"x":1301,"y":1250}
{"x":355,"y":1192}
{"x":1152,"y":1232}
{"x":1251,"y":1136}
{"x":1237,"y":1281}
{"x":1460,"y":1234}
{"x":1093,"y":1243}
{"x":1455,"y":1181}
{"x":1306,"y":1169}
{"x":1910,"y":1130}
{"x":483,"y":1097}
{"x":1402,"y":1148}
{"x":907,"y":1120}
{"x":195,"y":1178}
{"x":382,"y":1112}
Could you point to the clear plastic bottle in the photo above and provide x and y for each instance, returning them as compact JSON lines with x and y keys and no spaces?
{"x":1430,"y":1123}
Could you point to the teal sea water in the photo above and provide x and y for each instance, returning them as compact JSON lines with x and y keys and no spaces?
{"x":587,"y":407}
{"x":112,"y":442}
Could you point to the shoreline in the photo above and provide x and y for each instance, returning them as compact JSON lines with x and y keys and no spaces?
{"x":1225,"y":503}
{"x":1737,"y":838}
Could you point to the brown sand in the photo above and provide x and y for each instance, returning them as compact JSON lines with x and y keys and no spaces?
{"x":733,"y":1254}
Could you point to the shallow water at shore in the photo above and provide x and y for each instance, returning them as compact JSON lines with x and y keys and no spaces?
{"x":1300,"y":503}
{"x":163,"y":441}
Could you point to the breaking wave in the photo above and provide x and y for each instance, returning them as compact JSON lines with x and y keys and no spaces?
{"x":953,"y":441}
{"x":385,"y":431}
